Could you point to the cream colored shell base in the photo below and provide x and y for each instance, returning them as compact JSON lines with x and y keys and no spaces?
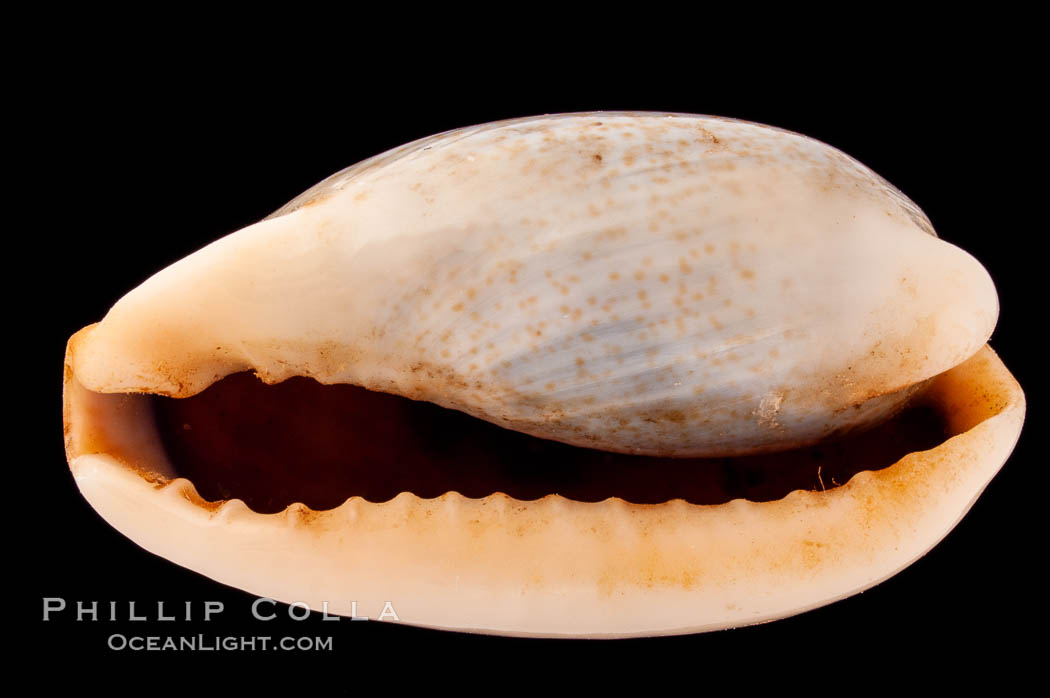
{"x":555,"y":567}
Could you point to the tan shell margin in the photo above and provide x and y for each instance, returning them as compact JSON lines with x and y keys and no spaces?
{"x":555,"y":567}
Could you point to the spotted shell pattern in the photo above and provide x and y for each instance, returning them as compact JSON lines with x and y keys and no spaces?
{"x":658,"y":284}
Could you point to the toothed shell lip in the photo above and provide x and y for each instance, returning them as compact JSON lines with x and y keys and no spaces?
{"x":558,"y":568}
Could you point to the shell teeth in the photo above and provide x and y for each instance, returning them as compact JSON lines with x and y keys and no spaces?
{"x":558,"y":567}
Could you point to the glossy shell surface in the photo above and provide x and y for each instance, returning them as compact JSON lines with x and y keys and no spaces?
{"x":644,"y":283}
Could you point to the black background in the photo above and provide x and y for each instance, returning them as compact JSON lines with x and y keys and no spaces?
{"x":139,"y":165}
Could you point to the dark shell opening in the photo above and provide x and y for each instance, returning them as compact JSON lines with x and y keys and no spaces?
{"x":301,"y":441}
